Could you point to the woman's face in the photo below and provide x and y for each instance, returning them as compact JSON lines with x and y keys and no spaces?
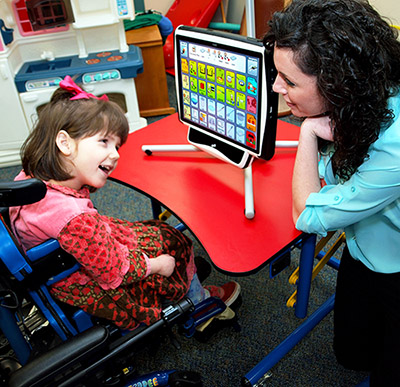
{"x":298,"y":89}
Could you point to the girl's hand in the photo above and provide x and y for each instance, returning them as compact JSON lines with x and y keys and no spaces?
{"x":163,"y":264}
{"x":318,"y":127}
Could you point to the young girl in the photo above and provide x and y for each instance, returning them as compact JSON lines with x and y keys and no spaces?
{"x":338,"y":66}
{"x":128,"y":269}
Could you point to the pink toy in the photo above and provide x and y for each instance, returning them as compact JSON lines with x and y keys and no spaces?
{"x":189,"y":13}
{"x":25,"y":26}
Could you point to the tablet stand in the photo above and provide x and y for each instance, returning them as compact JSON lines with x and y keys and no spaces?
{"x":249,"y":211}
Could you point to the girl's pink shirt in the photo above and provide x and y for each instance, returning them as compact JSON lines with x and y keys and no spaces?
{"x":35,"y":223}
{"x":45,"y":219}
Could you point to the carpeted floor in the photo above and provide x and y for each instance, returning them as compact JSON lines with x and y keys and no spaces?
{"x":264,"y":318}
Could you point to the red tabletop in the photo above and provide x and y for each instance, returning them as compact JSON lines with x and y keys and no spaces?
{"x":207,"y":194}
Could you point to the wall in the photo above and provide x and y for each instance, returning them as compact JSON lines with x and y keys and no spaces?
{"x":389,"y":9}
{"x":159,"y":5}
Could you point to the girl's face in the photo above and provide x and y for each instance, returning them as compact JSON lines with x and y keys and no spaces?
{"x":298,"y":89}
{"x":92,"y":160}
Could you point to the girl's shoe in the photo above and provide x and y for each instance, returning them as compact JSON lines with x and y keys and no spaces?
{"x":228,"y":292}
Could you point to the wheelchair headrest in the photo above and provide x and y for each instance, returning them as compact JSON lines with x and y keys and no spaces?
{"x":19,"y":193}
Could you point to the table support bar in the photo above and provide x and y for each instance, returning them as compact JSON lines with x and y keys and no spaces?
{"x":288,"y":344}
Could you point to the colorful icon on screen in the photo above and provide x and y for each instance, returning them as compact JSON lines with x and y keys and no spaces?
{"x":240,"y":118}
{"x":203,"y":118}
{"x":183,"y":49}
{"x":195,"y":115}
{"x":193,"y":68}
{"x":241,"y":101}
{"x":220,"y":110}
{"x":194,"y":100}
{"x":221,"y":126}
{"x":211,"y":106}
{"x":186,"y":112}
{"x":240,"y":133}
{"x":251,"y":86}
{"x":211,"y":73}
{"x":203,"y":103}
{"x":211,"y":122}
{"x":202,"y":70}
{"x":220,"y":76}
{"x":185,"y":81}
{"x":193,"y":84}
{"x":230,"y":79}
{"x":251,"y":122}
{"x":251,"y":140}
{"x":185,"y":67}
{"x":220,"y":94}
{"x":211,"y":90}
{"x":186,"y":97}
{"x":230,"y":97}
{"x":202,"y":87}
{"x":241,"y":82}
{"x":251,"y":105}
{"x":230,"y":114}
{"x":252,"y":66}
{"x":230,"y":130}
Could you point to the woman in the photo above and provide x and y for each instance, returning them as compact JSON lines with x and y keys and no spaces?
{"x":338,"y":66}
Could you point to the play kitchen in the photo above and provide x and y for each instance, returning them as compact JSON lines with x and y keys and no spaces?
{"x":42,"y":41}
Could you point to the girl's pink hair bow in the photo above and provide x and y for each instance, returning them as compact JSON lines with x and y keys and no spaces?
{"x":68,"y":84}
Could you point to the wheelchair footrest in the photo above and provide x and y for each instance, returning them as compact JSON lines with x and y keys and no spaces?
{"x":209,"y":316}
{"x":81,"y":347}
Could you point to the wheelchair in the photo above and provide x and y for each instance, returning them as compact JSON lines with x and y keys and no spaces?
{"x":57,"y":345}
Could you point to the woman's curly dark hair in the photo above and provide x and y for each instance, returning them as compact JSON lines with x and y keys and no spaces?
{"x":355,"y":56}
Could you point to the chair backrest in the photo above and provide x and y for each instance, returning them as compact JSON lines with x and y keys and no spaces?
{"x":17,"y":193}
{"x":11,"y":254}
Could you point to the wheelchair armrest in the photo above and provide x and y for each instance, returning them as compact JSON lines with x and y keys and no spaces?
{"x":45,"y":248}
{"x":81,"y":348}
{"x":50,"y":263}
{"x":19,"y":193}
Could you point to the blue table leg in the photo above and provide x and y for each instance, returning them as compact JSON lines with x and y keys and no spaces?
{"x":303,"y":292}
{"x":305,"y":274}
{"x":285,"y":346}
{"x":155,"y":207}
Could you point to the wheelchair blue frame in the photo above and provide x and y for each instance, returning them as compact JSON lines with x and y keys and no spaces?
{"x":21,"y":267}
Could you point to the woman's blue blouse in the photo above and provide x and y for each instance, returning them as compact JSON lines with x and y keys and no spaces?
{"x":367,"y":206}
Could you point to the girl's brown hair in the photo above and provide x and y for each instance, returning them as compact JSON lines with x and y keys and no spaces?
{"x":80,"y":118}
